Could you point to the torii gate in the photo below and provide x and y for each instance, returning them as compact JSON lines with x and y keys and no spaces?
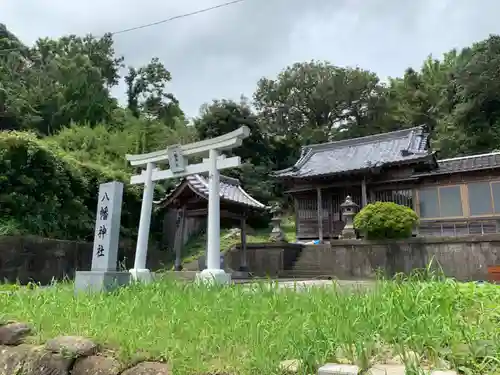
{"x":176,"y":156}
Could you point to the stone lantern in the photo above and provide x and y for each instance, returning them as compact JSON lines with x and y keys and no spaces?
{"x":349,"y":209}
{"x":277,"y":234}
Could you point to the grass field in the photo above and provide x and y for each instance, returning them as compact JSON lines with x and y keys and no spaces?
{"x":228,"y":329}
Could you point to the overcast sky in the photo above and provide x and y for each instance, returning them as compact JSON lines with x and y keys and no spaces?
{"x":222,"y":53}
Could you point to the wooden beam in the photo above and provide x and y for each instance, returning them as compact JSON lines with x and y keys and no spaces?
{"x":372,"y":196}
{"x":393,"y":186}
{"x":377,"y":184}
{"x":204,"y":212}
{"x":179,"y":237}
{"x":364,"y":197}
{"x":312,"y":187}
{"x":296,"y":208}
{"x":320,"y":214}
{"x":244,"y":260}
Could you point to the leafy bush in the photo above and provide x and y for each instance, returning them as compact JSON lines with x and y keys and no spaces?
{"x":107,"y":144}
{"x":49,"y":193}
{"x":386,"y":220}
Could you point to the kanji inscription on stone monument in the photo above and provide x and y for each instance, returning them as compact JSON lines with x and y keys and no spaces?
{"x":107,"y":228}
{"x":103,"y":276}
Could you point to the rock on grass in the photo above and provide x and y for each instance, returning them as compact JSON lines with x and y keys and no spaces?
{"x":74,"y":346}
{"x":14,"y":333}
{"x":96,"y":365}
{"x":41,"y":362}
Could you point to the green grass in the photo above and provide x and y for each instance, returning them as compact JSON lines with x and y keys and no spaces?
{"x":229,"y":329}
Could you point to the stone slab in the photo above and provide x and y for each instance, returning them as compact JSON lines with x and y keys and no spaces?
{"x":144,"y":276}
{"x":446,"y":372}
{"x":387,"y":370}
{"x":291,"y":366}
{"x":208,"y":276}
{"x":100,"y":281}
{"x":338,"y":369}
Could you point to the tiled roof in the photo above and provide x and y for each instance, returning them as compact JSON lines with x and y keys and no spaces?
{"x":361,"y":153}
{"x":230,"y":190}
{"x":466,"y":164}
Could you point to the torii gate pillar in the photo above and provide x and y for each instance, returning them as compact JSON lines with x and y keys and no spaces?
{"x":176,"y":156}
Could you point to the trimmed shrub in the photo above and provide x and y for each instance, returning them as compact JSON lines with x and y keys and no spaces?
{"x":49,"y":193}
{"x":381,"y":220}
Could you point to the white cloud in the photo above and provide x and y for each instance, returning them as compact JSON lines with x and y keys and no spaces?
{"x":224,"y":52}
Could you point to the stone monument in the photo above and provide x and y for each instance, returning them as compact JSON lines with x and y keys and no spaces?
{"x":176,"y":156}
{"x":349,"y":209}
{"x":103,"y":275}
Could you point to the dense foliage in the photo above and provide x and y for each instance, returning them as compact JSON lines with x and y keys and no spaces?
{"x":59,"y":90}
{"x":47,"y":192}
{"x":385,"y":220}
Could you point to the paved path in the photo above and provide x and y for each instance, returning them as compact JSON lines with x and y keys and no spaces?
{"x":301,"y":285}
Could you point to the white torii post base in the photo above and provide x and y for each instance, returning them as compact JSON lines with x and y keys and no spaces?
{"x":140,"y":272}
{"x":213,"y":276}
{"x":213,"y":273}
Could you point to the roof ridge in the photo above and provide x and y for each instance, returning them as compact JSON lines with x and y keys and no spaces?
{"x":229,"y":189}
{"x":366,"y":138}
{"x":308,"y":151}
{"x":469,"y":156}
{"x":260,"y":204}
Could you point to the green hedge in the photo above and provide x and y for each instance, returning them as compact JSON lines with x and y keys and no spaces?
{"x":385,"y":220}
{"x":49,"y":193}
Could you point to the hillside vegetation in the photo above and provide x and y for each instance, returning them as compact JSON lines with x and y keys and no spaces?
{"x":229,"y":238}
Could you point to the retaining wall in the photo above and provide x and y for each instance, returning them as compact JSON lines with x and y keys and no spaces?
{"x":31,"y":258}
{"x":464,"y":258}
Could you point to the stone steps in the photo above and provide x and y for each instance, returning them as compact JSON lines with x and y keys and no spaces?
{"x":305,"y":273}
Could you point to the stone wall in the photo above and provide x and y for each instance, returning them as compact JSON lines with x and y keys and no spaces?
{"x":31,"y":258}
{"x":62,"y":355}
{"x":465,"y":258}
{"x":264,"y":259}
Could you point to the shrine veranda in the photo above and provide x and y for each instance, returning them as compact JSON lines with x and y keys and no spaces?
{"x":249,"y":329}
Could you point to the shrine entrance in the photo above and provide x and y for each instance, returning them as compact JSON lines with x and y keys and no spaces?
{"x":176,"y":157}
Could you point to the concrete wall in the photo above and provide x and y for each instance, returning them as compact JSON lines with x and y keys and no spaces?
{"x":30,"y":258}
{"x":465,"y":258}
{"x":264,"y":259}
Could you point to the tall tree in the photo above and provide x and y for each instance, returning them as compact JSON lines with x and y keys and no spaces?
{"x":223,"y":116}
{"x":147,"y":92}
{"x":60,"y":81}
{"x":425,"y":97}
{"x":316,"y":101}
{"x":475,"y":89}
